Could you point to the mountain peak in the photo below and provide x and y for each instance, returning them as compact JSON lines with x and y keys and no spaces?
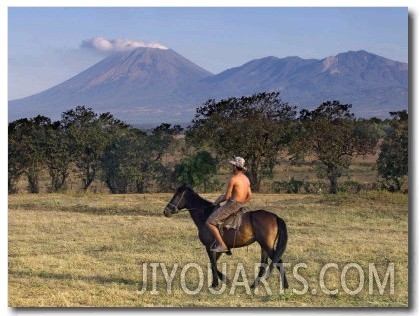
{"x":330,"y":64}
{"x":140,"y":67}
{"x":149,"y":85}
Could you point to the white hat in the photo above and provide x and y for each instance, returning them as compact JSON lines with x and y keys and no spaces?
{"x":238,"y":162}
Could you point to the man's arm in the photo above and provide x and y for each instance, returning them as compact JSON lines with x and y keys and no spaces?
{"x":220,"y":199}
{"x":228,"y":193}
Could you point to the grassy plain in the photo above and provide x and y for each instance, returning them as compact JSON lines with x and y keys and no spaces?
{"x":73,"y":250}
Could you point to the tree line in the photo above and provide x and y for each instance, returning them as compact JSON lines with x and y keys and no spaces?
{"x":260,"y":128}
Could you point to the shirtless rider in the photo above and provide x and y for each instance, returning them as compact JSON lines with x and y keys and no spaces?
{"x":237,"y":194}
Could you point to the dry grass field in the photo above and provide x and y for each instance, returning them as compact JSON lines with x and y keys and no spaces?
{"x":102,"y":250}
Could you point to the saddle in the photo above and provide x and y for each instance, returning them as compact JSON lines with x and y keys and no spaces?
{"x":234,"y":221}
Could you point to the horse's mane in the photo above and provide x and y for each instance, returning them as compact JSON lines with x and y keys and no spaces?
{"x":205,"y":204}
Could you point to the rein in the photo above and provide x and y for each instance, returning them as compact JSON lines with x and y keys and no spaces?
{"x":177,"y":210}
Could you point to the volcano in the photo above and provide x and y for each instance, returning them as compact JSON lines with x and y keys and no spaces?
{"x":139,"y":86}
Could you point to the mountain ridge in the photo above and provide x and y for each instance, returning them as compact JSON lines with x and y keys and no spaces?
{"x":148,"y":85}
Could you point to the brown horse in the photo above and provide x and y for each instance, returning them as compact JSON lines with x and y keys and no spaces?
{"x":265,"y":228}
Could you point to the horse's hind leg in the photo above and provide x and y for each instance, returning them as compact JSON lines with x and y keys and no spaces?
{"x":280,"y":267}
{"x":263,"y":268}
{"x":264,"y":272}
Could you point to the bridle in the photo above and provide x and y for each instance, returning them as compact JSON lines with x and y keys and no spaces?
{"x":177,"y":210}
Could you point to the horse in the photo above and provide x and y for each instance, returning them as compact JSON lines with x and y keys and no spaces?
{"x":261,"y":226}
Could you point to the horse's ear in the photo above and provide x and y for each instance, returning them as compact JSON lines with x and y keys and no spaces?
{"x":186,"y":186}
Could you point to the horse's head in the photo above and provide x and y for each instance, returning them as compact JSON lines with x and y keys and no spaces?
{"x":178,"y":201}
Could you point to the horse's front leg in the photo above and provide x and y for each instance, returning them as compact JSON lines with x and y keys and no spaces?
{"x":216,"y":274}
{"x":214,"y":271}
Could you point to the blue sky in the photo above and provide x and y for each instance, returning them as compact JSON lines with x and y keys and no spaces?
{"x":45,"y":43}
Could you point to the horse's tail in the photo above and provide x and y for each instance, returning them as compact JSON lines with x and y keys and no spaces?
{"x":280,"y":248}
{"x":281,"y":239}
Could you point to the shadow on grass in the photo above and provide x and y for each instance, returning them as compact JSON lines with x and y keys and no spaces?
{"x":72,"y":277}
{"x":84,"y":209}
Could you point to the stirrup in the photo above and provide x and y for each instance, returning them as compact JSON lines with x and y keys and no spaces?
{"x":216,"y":248}
{"x":219,"y":249}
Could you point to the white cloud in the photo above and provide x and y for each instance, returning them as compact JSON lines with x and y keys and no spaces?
{"x":103,"y":45}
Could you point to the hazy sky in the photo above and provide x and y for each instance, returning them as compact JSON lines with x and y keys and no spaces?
{"x":48,"y":45}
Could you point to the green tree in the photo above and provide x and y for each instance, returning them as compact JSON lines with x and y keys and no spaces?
{"x":57,"y":156}
{"x":89,"y":134}
{"x":132,"y":160}
{"x":160,"y":143}
{"x":333,"y":136}
{"x":18,"y":151}
{"x":392,"y":162}
{"x":256,"y":128}
{"x":196,"y":170}
{"x":27,"y":150}
{"x":120,"y":160}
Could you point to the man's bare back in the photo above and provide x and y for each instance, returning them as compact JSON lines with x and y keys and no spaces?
{"x":241,"y":188}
